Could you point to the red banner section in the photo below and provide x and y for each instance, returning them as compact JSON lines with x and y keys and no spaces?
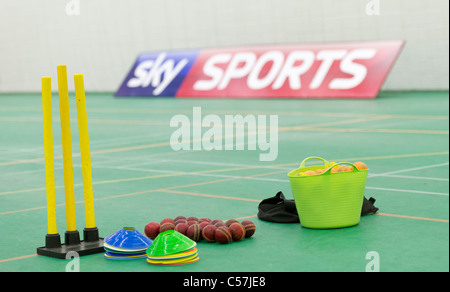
{"x":337,"y":70}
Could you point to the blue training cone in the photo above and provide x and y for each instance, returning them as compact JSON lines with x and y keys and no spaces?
{"x":126,"y":244}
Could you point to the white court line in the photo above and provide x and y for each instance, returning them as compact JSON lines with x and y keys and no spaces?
{"x":154,"y":161}
{"x":416,"y":177}
{"x":407,"y":191}
{"x":271,"y":179}
{"x":59,"y":165}
{"x":388,"y":174}
{"x":9,"y":153}
{"x":201,"y":174}
{"x":409,"y":169}
{"x":227,"y":164}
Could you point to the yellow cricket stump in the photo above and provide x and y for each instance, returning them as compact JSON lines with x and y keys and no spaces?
{"x":92,"y":243}
{"x":48,"y":152}
{"x":66,"y":148}
{"x":89,"y":211}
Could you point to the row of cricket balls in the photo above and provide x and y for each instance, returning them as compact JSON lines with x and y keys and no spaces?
{"x":203,"y":228}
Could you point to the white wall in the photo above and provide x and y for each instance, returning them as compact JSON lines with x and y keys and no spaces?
{"x":103,"y":41}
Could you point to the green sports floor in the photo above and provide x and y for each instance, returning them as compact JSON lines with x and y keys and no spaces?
{"x":138,"y":178}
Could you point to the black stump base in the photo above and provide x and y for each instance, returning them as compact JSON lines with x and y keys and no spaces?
{"x":91,"y":244}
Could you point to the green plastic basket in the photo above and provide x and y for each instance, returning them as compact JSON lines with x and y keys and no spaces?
{"x":328,"y":200}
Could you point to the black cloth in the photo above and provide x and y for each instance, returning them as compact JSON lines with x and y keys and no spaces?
{"x":368,"y":207}
{"x":280,"y":210}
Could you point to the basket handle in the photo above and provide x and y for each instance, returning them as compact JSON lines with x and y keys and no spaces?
{"x":312,"y":157}
{"x":355,"y":169}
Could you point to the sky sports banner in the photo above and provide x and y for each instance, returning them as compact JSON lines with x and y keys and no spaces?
{"x":325,"y":70}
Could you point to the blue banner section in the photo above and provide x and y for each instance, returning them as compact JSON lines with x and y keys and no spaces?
{"x":158,"y":74}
